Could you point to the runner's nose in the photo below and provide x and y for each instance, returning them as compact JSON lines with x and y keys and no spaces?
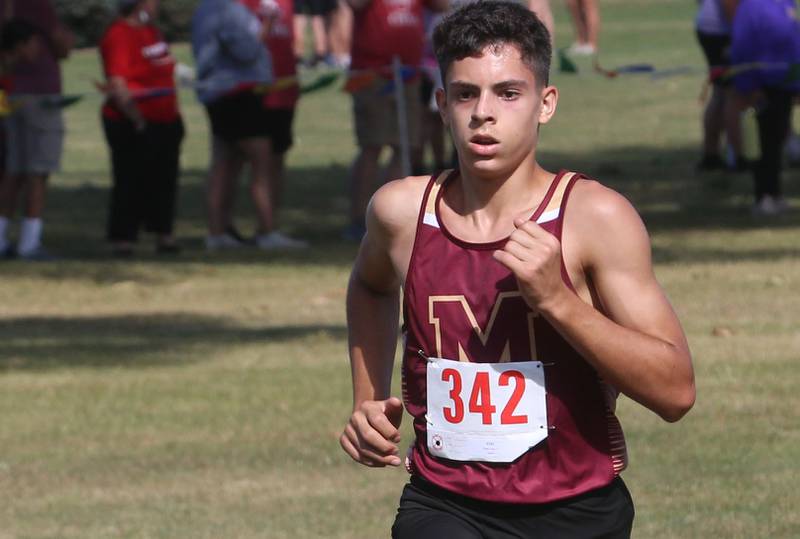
{"x":482,"y":112}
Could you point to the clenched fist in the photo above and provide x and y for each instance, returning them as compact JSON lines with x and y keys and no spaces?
{"x":371,"y":436}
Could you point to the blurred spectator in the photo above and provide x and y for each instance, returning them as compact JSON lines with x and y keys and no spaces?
{"x":279,"y":105}
{"x":383,"y":29}
{"x":432,"y":129}
{"x":792,"y":149}
{"x":545,"y":14}
{"x":767,"y":33}
{"x":713,"y":24}
{"x":35,"y":132}
{"x":143,"y":128}
{"x":340,"y":29}
{"x":586,"y":20}
{"x":315,"y":12}
{"x":19,"y":42}
{"x":232,"y":63}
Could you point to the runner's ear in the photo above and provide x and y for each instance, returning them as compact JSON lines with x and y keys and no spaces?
{"x":549,"y":98}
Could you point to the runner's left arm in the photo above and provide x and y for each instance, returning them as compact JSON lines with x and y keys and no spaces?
{"x":634,"y":339}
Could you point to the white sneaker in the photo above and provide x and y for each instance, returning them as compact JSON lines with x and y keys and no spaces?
{"x":581,"y":49}
{"x":767,"y":207}
{"x":278,"y":240}
{"x":221,"y":242}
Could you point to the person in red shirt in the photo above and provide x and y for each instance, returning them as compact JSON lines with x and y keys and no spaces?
{"x":383,"y":29}
{"x":280,"y":105}
{"x":143,"y":128}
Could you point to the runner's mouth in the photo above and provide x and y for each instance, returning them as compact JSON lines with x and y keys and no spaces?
{"x":483,"y":140}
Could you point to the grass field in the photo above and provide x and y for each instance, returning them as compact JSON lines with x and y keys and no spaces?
{"x":203,"y":396}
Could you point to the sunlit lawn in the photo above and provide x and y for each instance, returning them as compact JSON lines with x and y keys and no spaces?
{"x":202,"y":396}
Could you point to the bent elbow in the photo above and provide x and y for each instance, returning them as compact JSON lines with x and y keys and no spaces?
{"x":680,"y":405}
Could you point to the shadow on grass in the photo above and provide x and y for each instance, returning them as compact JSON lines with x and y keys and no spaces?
{"x":40,"y":343}
{"x":660,"y":182}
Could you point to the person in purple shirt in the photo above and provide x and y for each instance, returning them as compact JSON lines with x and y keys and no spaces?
{"x":765,"y":44}
{"x":35,"y":132}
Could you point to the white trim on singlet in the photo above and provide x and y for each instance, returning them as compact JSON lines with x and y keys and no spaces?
{"x":548,"y":216}
{"x":430,"y":220}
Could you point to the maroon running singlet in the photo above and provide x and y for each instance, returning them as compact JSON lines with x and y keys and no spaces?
{"x":462,"y":305}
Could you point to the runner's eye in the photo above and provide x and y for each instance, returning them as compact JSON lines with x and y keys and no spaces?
{"x":465,"y":95}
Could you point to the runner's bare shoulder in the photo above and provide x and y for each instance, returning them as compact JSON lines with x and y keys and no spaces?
{"x":395,"y":207}
{"x":597,"y":218}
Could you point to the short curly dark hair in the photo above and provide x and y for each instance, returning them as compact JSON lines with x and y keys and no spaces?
{"x":468,"y":30}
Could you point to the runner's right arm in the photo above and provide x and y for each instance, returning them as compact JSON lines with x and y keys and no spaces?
{"x":371,"y":435}
{"x":373,"y":307}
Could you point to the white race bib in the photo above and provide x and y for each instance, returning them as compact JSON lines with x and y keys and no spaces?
{"x":490,"y":412}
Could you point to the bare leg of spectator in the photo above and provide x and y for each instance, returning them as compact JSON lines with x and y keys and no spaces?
{"x":364,"y":175}
{"x":586,"y":19}
{"x":732,"y":119}
{"x":257,"y":152}
{"x":339,"y":32}
{"x":713,"y":122}
{"x":591,"y":15}
{"x":320,"y":37}
{"x":394,"y":170}
{"x":10,"y":187}
{"x":299,"y":36}
{"x":545,"y":14}
{"x":226,"y":165}
{"x":30,"y":236}
{"x":277,"y":171}
{"x":229,"y":199}
{"x":578,"y":22}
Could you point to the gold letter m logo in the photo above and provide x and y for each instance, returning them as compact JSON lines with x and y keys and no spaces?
{"x":508,"y":336}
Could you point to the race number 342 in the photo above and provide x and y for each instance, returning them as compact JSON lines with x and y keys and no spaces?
{"x":491,"y":412}
{"x":480,"y":397}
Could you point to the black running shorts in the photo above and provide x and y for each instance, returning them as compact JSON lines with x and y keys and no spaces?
{"x":429,"y":512}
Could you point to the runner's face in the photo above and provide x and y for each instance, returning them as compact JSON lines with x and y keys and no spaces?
{"x":493,"y":107}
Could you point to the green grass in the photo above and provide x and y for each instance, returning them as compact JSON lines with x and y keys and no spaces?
{"x":203,"y":396}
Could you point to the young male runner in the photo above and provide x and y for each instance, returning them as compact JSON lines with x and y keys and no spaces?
{"x":529,"y":303}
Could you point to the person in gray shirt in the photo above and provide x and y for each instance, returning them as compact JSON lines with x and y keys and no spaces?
{"x":232,"y":64}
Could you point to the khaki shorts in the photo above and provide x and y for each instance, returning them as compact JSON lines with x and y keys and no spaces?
{"x":35,"y":137}
{"x":376,"y":115}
